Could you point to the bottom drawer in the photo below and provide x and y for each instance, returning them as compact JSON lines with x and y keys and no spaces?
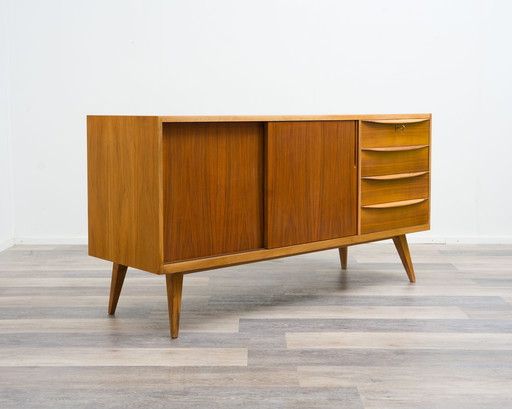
{"x":388,"y":218}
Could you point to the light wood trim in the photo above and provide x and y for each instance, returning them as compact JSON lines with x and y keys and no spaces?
{"x":403,"y":251}
{"x":227,"y":260}
{"x":160,"y":176}
{"x":430,"y":168}
{"x":394,"y":204}
{"x":396,"y":121}
{"x":359,"y":184}
{"x":398,"y":118}
{"x":396,"y":176}
{"x":396,"y":148}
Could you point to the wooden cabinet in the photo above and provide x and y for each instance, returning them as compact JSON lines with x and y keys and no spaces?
{"x":176,"y":195}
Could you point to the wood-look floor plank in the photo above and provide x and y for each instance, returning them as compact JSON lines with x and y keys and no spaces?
{"x":123,"y":357}
{"x":117,"y":324}
{"x":142,"y":377}
{"x":454,"y":388}
{"x":42,"y":282}
{"x":382,"y":312}
{"x":110,"y":339}
{"x":387,"y":377}
{"x":275,"y":326}
{"x":398,"y":340}
{"x":464,"y":360}
{"x":192,"y":397}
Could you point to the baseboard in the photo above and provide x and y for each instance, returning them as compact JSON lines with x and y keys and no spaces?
{"x":416,"y":238}
{"x":4,"y":245}
{"x":480,"y":240}
{"x":457,"y":240}
{"x":51,"y":240}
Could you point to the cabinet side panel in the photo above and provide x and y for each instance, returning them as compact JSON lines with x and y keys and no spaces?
{"x":311,"y":182}
{"x":213,"y":189}
{"x":124,"y":190}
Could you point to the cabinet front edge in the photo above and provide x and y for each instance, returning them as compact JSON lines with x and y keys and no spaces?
{"x":226,"y":260}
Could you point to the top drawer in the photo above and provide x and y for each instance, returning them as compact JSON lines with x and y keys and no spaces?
{"x":380,"y":133}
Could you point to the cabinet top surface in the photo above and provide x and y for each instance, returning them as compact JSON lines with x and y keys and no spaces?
{"x":275,"y":118}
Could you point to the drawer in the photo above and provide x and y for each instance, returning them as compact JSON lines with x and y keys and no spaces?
{"x":394,"y":216}
{"x":387,"y":162}
{"x":383,"y":133}
{"x":393,"y":188}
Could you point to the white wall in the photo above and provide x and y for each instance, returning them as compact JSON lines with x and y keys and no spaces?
{"x":68,"y":59}
{"x":6,"y":196}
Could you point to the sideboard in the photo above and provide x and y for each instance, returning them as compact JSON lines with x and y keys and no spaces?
{"x":175,"y":195}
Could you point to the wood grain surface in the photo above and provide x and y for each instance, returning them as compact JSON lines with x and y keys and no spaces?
{"x":384,"y":134}
{"x":403,"y":251}
{"x":213,"y":189}
{"x":395,"y":118}
{"x":311,"y":182}
{"x":116,"y":285}
{"x":289,"y":333}
{"x":392,"y":190}
{"x":387,"y":218}
{"x":124,"y":190}
{"x":226,"y":260}
{"x":385,"y":163}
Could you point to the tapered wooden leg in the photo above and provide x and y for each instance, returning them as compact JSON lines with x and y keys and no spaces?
{"x":174,"y":287}
{"x":118,"y":274}
{"x":405,"y":256}
{"x":343,"y":257}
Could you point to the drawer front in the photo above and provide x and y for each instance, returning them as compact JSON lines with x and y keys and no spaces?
{"x":374,"y":134}
{"x":392,"y":190}
{"x":374,"y":163}
{"x":388,"y":218}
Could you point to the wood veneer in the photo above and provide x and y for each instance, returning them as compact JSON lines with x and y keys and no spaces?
{"x":213,"y":189}
{"x":176,"y":195}
{"x":375,"y":191}
{"x":125,"y":190}
{"x":311,"y":180}
{"x":394,"y":133}
{"x":385,"y":163}
{"x":388,"y":218}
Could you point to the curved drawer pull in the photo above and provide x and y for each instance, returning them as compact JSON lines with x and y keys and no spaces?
{"x":395,"y":176}
{"x":396,"y":148}
{"x":396,"y":121}
{"x":394,"y":204}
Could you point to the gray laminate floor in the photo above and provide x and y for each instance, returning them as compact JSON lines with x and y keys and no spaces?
{"x":289,"y":333}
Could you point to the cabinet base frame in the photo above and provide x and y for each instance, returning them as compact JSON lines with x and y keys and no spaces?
{"x":174,"y":281}
{"x":226,"y":260}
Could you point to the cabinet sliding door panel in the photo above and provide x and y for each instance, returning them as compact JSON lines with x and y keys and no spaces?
{"x":311,"y":182}
{"x":213,"y":189}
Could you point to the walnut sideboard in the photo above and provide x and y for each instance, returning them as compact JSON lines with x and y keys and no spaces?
{"x":177,"y":195}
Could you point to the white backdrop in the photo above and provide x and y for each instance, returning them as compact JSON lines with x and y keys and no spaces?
{"x":62,"y":60}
